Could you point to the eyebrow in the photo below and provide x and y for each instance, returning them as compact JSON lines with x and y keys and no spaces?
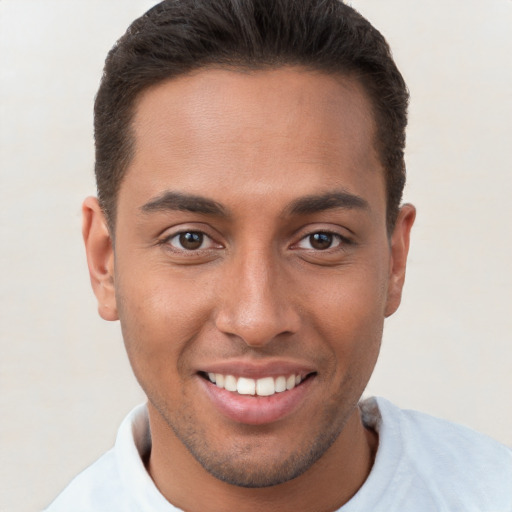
{"x":179,"y":201}
{"x":318,"y":203}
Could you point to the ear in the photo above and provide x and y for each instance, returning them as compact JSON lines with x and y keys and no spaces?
{"x":399,"y":250}
{"x":100,"y":257}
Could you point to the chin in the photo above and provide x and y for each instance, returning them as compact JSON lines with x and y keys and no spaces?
{"x":244,"y":468}
{"x":260,"y":460}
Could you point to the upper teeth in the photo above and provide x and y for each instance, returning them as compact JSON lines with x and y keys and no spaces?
{"x":265,"y":386}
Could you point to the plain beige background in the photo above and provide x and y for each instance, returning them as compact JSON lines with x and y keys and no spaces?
{"x":65,"y":381}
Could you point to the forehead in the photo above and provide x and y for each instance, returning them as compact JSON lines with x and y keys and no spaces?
{"x":254,"y":129}
{"x":217,"y":102}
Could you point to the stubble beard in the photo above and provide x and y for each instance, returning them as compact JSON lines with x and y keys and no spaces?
{"x":250,"y":464}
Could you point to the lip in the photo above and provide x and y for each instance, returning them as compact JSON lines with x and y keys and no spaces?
{"x":257,"y":410}
{"x":258,"y":371}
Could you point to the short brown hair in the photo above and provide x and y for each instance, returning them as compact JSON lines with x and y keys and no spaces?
{"x":178,"y":36}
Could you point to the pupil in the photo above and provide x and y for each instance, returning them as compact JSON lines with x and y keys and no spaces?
{"x":191,"y":240}
{"x":321,"y":240}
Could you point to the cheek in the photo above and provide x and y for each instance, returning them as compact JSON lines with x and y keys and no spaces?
{"x":159,"y":317}
{"x":349,"y":313}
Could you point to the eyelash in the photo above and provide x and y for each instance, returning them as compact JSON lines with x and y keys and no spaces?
{"x":167,"y":241}
{"x":341,"y":241}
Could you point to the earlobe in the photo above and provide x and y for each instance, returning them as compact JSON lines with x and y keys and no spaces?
{"x":398,"y":262}
{"x":100,"y":257}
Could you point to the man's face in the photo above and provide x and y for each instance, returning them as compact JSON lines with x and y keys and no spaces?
{"x":251,"y":248}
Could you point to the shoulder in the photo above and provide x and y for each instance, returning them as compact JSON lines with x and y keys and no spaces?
{"x":118,"y":480}
{"x":456,"y":464}
{"x":93,"y":489}
{"x":447,"y":443}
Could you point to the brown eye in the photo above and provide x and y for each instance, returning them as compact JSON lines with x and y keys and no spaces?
{"x":321,"y":241}
{"x":191,"y":244}
{"x":188,"y":240}
{"x":191,"y":240}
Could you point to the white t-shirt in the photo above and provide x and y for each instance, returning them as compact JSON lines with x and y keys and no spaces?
{"x":423,"y":464}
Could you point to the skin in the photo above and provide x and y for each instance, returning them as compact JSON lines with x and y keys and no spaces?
{"x":257,"y":290}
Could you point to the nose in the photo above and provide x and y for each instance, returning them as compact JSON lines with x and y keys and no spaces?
{"x":256,"y":300}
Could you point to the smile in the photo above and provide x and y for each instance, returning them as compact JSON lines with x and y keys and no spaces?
{"x":260,"y":400}
{"x":265,"y":386}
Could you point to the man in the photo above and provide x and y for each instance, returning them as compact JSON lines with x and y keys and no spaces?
{"x":248,"y":235}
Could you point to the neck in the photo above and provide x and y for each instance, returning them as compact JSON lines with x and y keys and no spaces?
{"x":327,"y":485}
